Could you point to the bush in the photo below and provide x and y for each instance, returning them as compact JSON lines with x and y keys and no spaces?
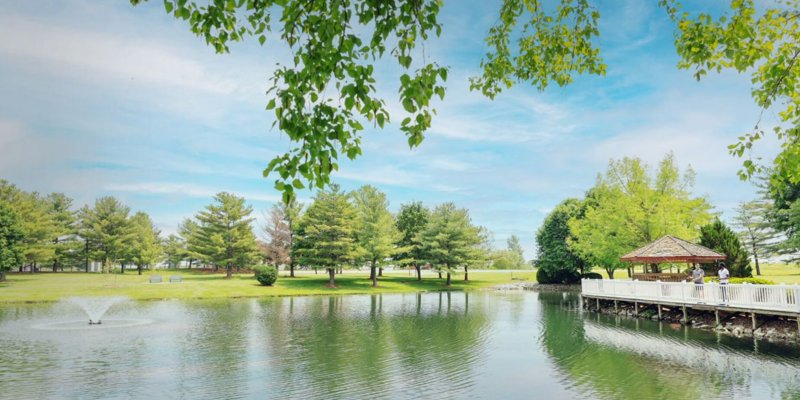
{"x":561,"y":276}
{"x":266,"y":275}
{"x":592,"y":275}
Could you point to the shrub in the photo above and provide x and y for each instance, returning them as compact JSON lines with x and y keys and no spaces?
{"x":752,"y":281}
{"x":560,"y":276}
{"x":592,"y":275}
{"x":266,"y":274}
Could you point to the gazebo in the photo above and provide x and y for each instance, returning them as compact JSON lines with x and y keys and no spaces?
{"x":669,"y":249}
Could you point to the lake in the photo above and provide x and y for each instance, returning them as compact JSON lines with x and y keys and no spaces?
{"x":434,"y":345}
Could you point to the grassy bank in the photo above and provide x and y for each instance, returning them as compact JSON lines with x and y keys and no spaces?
{"x":44,"y":287}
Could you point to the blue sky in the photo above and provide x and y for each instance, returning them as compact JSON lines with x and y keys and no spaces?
{"x":101,"y":98}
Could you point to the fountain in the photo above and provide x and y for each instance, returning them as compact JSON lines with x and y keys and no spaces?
{"x":95,"y":307}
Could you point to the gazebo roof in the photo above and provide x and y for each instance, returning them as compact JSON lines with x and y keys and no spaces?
{"x":671,"y":249}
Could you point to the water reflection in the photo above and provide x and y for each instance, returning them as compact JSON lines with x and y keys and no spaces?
{"x":609,"y":357}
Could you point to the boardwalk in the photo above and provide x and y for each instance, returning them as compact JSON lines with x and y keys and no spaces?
{"x":781,"y":300}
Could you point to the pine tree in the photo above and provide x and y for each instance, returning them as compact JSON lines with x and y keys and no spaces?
{"x":66,"y":245}
{"x":376,"y":232}
{"x":756,"y":232}
{"x":226,"y":237}
{"x":720,"y":238}
{"x":146,"y":246}
{"x":107,"y":229}
{"x":411,"y":220}
{"x":450,"y":240}
{"x":327,"y":232}
{"x":516,"y":254}
{"x":189,"y":231}
{"x":174,"y":250}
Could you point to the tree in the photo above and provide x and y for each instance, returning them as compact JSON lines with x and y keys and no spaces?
{"x":327,"y":230}
{"x":376,"y":232}
{"x":174,"y":250}
{"x":515,"y":253}
{"x":628,"y":208}
{"x":146,"y":247}
{"x":38,"y":225}
{"x":11,"y":240}
{"x":107,"y":230}
{"x":226,"y":237}
{"x":784,"y":216}
{"x":189,"y":233}
{"x":63,"y":217}
{"x":755,"y":230}
{"x":411,"y":220}
{"x":552,"y":240}
{"x":449,"y":240}
{"x":720,"y":238}
{"x":280,"y":229}
{"x":321,"y":97}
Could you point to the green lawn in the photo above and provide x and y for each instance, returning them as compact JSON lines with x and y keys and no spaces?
{"x":778,"y":273}
{"x":43,"y":287}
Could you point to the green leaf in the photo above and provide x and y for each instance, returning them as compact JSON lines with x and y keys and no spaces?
{"x":298,"y":184}
{"x":168,"y":6}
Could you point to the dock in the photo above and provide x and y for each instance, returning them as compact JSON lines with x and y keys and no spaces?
{"x":768,"y":300}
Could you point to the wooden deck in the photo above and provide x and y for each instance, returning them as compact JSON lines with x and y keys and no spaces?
{"x":780,"y":300}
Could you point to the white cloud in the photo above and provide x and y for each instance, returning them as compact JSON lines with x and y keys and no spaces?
{"x":185,"y":190}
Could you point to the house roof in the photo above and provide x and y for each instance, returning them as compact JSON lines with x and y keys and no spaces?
{"x":671,"y":249}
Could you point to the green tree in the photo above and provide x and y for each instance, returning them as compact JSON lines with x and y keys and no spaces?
{"x":11,"y":241}
{"x":174,"y":250}
{"x":107,"y":229}
{"x":189,"y":232}
{"x":38,"y":224}
{"x":280,"y":229}
{"x":376,"y":232}
{"x":64,"y":241}
{"x":784,"y":217}
{"x":227,"y":238}
{"x":449,"y":240}
{"x":411,"y":220}
{"x":146,"y":245}
{"x":628,"y":208}
{"x":720,"y":238}
{"x":327,"y":230}
{"x":515,"y":253}
{"x":755,"y":230}
{"x":552,"y":240}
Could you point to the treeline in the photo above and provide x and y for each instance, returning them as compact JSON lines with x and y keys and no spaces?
{"x":629,"y":207}
{"x":340,"y":230}
{"x":337,"y":230}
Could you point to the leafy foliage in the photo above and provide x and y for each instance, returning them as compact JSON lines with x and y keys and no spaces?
{"x":720,"y":238}
{"x":107,"y":229}
{"x":627,"y":209}
{"x":376,"y":232}
{"x":552,"y":240}
{"x":755,"y":231}
{"x":146,"y":246}
{"x":11,"y":240}
{"x":266,"y":275}
{"x":449,"y":240}
{"x":411,"y":220}
{"x":559,"y":276}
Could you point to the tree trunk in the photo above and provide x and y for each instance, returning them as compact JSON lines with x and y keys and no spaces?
{"x":139,"y":267}
{"x":380,"y":271}
{"x":448,"y":279}
{"x":122,"y":268}
{"x":33,"y":268}
{"x":372,"y":272}
{"x":374,"y":278}
{"x":440,"y":274}
{"x":291,"y":269}
{"x":228,"y":271}
{"x":610,"y":273}
{"x":316,"y":271}
{"x":419,"y":271}
{"x":466,"y":274}
{"x":331,"y":277}
{"x":755,"y":257}
{"x":190,"y":262}
{"x":2,"y":276}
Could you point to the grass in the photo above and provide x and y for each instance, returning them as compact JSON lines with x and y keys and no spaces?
{"x":48,"y":287}
{"x":778,"y":273}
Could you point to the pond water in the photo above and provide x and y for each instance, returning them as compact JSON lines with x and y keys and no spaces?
{"x":434,"y":345}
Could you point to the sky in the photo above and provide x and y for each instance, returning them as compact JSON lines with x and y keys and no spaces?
{"x":103,"y":98}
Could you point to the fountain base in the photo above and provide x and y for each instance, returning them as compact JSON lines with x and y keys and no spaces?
{"x":98,"y":322}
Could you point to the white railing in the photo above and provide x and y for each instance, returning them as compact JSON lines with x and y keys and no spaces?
{"x":761,"y":297}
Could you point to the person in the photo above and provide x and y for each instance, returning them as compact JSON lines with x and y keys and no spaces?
{"x":697,"y":275}
{"x":724,"y":274}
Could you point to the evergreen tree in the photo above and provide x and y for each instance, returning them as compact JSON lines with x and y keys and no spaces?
{"x":146,"y":246}
{"x":755,"y":231}
{"x":11,"y":240}
{"x":327,"y":232}
{"x":38,"y":225}
{"x":515,"y":252}
{"x":280,"y":230}
{"x":411,"y":220}
{"x":450,"y":240}
{"x":376,"y":233}
{"x":720,"y":238}
{"x":67,"y":247}
{"x":174,"y":250}
{"x":226,"y":237}
{"x":107,"y":229}
{"x":189,"y":231}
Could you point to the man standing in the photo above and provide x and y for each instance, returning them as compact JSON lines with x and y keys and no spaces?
{"x":724,"y":274}
{"x":697,"y":275}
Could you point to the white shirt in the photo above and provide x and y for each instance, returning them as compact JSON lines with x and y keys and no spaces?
{"x":723,"y":275}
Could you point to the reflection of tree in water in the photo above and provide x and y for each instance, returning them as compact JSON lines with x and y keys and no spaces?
{"x":605,"y":371}
{"x":373,"y":346}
